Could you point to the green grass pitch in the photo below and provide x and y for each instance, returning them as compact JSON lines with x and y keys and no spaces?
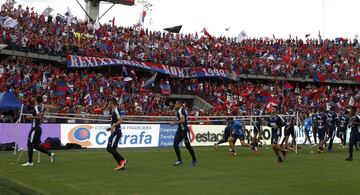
{"x":150,"y":171}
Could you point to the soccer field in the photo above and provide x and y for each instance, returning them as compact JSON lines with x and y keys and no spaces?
{"x":150,"y":171}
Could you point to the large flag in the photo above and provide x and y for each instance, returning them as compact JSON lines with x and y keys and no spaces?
{"x":47,"y":11}
{"x":242,"y":36}
{"x":62,"y":88}
{"x":174,"y":29}
{"x":150,"y":81}
{"x":10,"y":22}
{"x":165,"y":88}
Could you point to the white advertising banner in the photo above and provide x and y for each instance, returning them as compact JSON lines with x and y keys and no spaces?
{"x":96,"y":136}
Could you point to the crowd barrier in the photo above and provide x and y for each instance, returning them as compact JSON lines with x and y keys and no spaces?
{"x":133,"y":135}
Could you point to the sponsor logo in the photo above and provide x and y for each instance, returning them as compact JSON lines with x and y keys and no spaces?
{"x":80,"y":135}
{"x":204,"y":136}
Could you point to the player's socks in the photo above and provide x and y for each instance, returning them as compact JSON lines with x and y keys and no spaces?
{"x":280,"y":159}
{"x":52,"y":158}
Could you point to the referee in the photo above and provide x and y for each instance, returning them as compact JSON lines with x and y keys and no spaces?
{"x":355,"y":132}
{"x":34,"y":137}
{"x":115,"y":136}
{"x":182,"y":133}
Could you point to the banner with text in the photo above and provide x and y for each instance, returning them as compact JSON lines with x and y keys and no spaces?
{"x":174,"y":71}
{"x":96,"y":136}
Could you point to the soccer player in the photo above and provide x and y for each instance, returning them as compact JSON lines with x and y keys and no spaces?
{"x":307,"y":127}
{"x":289,"y":130}
{"x":355,"y":132}
{"x":342,"y":123}
{"x":331,"y":126}
{"x":321,"y":121}
{"x":34,"y":137}
{"x":115,"y":136}
{"x":276,"y":122}
{"x":257,"y":123}
{"x":226,"y":135}
{"x":314,"y":125}
{"x":182,"y":133}
{"x":237,"y":132}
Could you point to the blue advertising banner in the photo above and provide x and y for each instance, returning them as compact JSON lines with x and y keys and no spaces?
{"x":166,"y":135}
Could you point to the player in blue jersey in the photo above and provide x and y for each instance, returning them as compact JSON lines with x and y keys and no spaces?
{"x":342,"y":124}
{"x":355,"y":131}
{"x":237,"y":132}
{"x":331,"y":127}
{"x":307,"y":127}
{"x":276,"y":122}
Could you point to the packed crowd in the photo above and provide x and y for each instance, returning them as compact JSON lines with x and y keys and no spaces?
{"x":54,"y":35}
{"x":87,"y":92}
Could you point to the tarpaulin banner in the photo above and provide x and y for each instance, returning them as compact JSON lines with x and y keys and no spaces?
{"x":74,"y":61}
{"x":12,"y":132}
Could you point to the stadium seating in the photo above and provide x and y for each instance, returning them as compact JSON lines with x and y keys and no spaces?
{"x":86,"y":91}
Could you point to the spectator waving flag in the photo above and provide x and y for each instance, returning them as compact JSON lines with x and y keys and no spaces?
{"x":150,"y":81}
{"x":357,"y":79}
{"x":288,"y":86}
{"x":189,"y":51}
{"x":174,"y":29}
{"x":318,"y":77}
{"x":142,"y":17}
{"x":62,"y":88}
{"x":47,"y":11}
{"x":165,"y":88}
{"x":209,"y":36}
{"x":242,"y":36}
{"x":10,"y":22}
{"x":88,"y":99}
{"x":9,"y":4}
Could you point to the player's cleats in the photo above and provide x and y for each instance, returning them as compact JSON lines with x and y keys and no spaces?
{"x":216,"y":146}
{"x":349,"y":158}
{"x":178,"y":163}
{"x":194,"y":162}
{"x":320,"y":151}
{"x":121,"y":165}
{"x":52,"y":158}
{"x":27,"y":164}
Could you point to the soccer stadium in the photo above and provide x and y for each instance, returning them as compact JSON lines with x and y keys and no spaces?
{"x":179,"y":97}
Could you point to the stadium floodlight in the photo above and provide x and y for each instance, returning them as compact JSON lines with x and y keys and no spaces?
{"x":92,"y":7}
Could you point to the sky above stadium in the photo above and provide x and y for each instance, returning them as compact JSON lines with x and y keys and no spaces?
{"x":258,"y":18}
